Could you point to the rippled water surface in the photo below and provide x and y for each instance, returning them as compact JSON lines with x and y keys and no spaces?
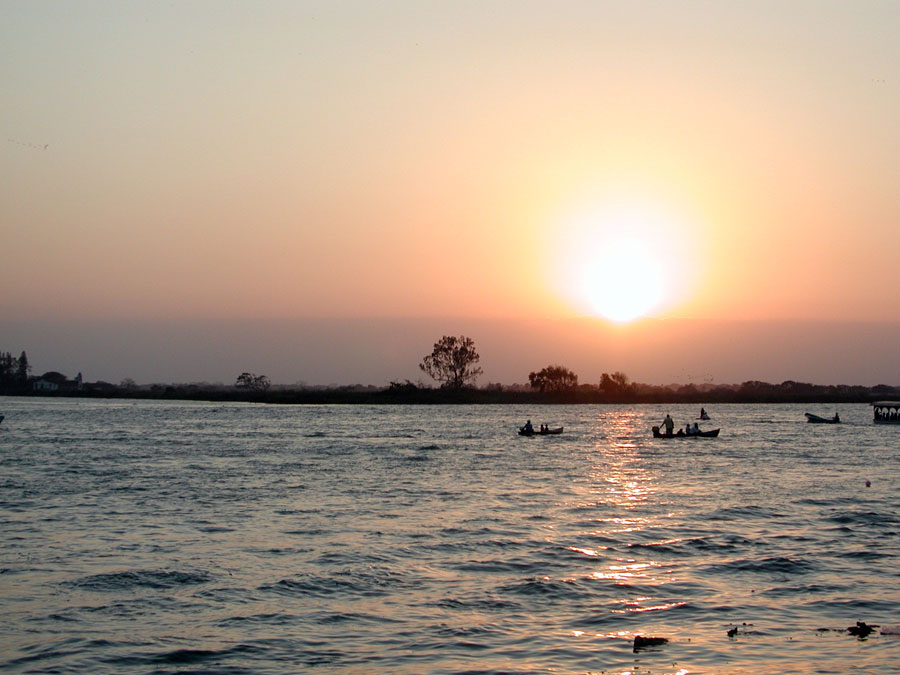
{"x":191,"y":537}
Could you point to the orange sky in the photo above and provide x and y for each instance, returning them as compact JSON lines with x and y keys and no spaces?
{"x":311,"y":159}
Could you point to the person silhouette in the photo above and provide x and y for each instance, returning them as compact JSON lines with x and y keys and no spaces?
{"x":669,"y":424}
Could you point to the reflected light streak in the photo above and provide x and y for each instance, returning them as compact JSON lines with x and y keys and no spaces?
{"x":628,"y":572}
{"x":617,"y":634}
{"x":654,"y":608}
{"x":628,"y":525}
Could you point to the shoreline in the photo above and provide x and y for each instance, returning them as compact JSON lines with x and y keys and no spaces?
{"x":417,"y":396}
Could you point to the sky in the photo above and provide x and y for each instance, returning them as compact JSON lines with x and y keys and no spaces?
{"x":334,"y":166}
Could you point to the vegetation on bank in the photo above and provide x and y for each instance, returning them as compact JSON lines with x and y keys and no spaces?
{"x":452,"y":363}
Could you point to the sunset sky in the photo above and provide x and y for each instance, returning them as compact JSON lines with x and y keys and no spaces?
{"x":309,"y":161}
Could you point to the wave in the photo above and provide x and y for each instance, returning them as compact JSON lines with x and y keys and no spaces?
{"x":354,"y":618}
{"x":186,"y":657}
{"x":775,"y":565}
{"x":544,"y":587}
{"x":866,"y":518}
{"x":371,"y":582}
{"x":274,"y":619}
{"x":131,"y":579}
{"x":744,"y":513}
{"x":479,"y":604}
{"x":498,"y":566}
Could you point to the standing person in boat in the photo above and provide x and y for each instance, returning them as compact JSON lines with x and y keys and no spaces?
{"x":668,"y":424}
{"x":703,"y":414}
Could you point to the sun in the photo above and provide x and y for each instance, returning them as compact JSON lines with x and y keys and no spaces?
{"x":624,"y":281}
{"x":620,"y":261}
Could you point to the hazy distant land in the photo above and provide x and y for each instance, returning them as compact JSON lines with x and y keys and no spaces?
{"x":377,"y":360}
{"x":346,"y":352}
{"x":418,"y":393}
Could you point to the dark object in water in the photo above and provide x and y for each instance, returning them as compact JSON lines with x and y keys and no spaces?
{"x":641,"y":642}
{"x":732,"y":631}
{"x":712,"y":433}
{"x":861,"y":629}
{"x":816,"y":419}
{"x":546,"y":432}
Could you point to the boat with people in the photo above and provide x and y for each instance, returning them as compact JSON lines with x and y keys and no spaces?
{"x":712,"y":433}
{"x":886,"y":412}
{"x":543,"y":431}
{"x":816,"y":419}
{"x":703,"y":414}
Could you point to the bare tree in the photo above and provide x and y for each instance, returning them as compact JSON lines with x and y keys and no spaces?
{"x":452,"y":362}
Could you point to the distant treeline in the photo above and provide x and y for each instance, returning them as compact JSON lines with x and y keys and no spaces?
{"x":414,"y":393}
{"x":452,"y":363}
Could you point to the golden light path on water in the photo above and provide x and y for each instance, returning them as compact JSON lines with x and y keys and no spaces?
{"x":621,"y":484}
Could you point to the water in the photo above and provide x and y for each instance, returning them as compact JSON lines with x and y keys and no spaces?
{"x":154,"y":537}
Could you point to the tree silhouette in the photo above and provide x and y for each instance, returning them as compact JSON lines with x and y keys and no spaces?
{"x":452,"y":362}
{"x":617,"y":383}
{"x":553,"y":378}
{"x":22,"y":369}
{"x":8,"y":368}
{"x":252,"y":381}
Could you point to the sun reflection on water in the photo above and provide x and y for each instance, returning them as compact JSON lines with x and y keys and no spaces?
{"x":622,"y":488}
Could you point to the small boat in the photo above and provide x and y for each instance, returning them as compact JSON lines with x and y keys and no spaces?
{"x":538,"y":432}
{"x":815,"y":419}
{"x":886,"y":412}
{"x":712,"y":433}
{"x":704,"y":416}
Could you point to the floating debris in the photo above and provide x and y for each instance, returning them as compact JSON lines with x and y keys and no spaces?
{"x":861,"y":629}
{"x":641,"y":642}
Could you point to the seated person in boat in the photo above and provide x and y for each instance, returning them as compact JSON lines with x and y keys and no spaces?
{"x":528,"y":428}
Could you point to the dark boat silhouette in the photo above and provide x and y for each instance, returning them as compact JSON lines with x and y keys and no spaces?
{"x":712,"y":433}
{"x":815,"y":419}
{"x":546,"y":432}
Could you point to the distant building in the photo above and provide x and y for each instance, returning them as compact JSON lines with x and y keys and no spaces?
{"x":54,"y":381}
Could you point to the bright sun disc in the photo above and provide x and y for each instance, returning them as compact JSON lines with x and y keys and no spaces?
{"x":621,"y":260}
{"x":624,"y":283}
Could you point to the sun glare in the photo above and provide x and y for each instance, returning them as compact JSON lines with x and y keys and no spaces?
{"x":624,"y":282}
{"x":617,"y":262}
